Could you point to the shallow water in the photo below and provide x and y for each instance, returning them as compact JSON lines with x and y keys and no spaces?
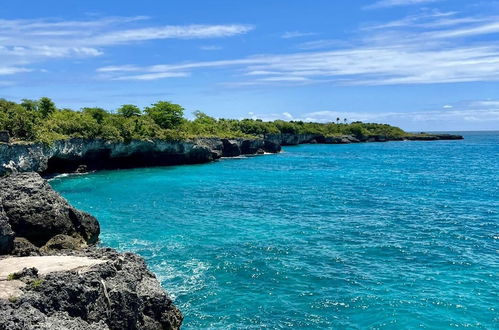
{"x":381,"y":235}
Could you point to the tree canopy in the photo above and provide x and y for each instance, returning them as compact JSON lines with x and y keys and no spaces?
{"x":42,"y":121}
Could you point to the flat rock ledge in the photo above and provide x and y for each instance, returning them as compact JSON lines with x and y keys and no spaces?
{"x":53,"y":277}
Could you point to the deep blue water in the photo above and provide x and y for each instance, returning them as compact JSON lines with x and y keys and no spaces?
{"x":377,"y":235}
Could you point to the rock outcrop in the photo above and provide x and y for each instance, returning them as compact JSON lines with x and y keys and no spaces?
{"x":52,"y":280}
{"x":79,"y":155}
{"x":94,"y":289}
{"x":38,"y":213}
{"x":6,"y":233}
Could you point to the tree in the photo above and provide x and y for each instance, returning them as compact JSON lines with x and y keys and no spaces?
{"x":167,"y":115}
{"x":345,"y":120}
{"x":203,"y":118}
{"x":337,"y":120}
{"x":129,"y":110}
{"x":30,"y":105}
{"x":96,"y":113}
{"x":46,"y":107}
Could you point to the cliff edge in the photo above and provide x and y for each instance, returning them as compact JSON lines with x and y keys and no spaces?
{"x":53,"y":277}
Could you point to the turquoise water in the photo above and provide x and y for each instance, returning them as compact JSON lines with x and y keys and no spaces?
{"x":378,"y":235}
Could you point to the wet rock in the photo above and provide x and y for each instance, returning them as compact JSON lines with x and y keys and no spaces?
{"x":231,"y":148}
{"x":36,"y":212}
{"x":82,"y":169}
{"x":4,"y":137}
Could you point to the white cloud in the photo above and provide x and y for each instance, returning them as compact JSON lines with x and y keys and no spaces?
{"x":320,"y":44}
{"x":210,"y":47}
{"x":466,"y":117}
{"x":361,"y":66}
{"x":168,"y":32}
{"x":24,"y":42}
{"x":389,"y":54}
{"x":395,"y":3}
{"x":154,"y":76}
{"x":296,"y":34}
{"x":12,"y":70}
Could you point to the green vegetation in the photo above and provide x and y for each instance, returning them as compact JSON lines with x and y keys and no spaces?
{"x":36,"y":283}
{"x":12,"y":276}
{"x":41,"y":121}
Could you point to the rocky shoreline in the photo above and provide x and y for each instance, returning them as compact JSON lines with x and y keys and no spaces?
{"x":80,"y":155}
{"x":52,"y":276}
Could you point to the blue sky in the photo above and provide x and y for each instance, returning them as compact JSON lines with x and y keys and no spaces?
{"x":419,"y":64}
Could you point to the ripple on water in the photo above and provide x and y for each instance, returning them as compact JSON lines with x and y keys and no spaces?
{"x":392,"y":235}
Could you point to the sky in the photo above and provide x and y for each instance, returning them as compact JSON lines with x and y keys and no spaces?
{"x":423,"y":65}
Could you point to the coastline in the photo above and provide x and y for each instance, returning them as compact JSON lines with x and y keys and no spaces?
{"x":32,"y":288}
{"x":81,"y":155}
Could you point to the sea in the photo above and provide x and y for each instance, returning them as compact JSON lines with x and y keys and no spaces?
{"x":396,"y":235}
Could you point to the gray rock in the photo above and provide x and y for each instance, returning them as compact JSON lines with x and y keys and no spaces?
{"x":6,"y":233}
{"x":75,"y":155}
{"x":64,"y":242}
{"x":24,"y":248}
{"x":118,"y":294}
{"x":231,"y":148}
{"x":36,"y":212}
{"x":4,"y":137}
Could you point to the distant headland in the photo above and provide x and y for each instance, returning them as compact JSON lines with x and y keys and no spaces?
{"x":37,"y":136}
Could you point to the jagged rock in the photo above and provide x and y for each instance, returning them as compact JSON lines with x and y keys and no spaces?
{"x":251,"y":146}
{"x":82,"y":169}
{"x":4,"y":137}
{"x":231,"y":148}
{"x":24,"y":248}
{"x":432,"y":137}
{"x":119,"y":293}
{"x":71,"y":155}
{"x":288,"y":139}
{"x":64,"y":242}
{"x":36,"y":212}
{"x":6,"y":233}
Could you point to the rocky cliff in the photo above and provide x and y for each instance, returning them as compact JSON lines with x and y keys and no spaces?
{"x":70,"y":155}
{"x":53,"y":277}
{"x":81,"y":155}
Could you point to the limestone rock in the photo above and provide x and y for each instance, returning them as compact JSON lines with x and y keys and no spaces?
{"x":6,"y":233}
{"x":116,"y":293}
{"x":24,"y":248}
{"x":36,"y":212}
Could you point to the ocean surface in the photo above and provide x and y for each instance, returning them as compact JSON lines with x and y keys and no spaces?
{"x":376,"y":235}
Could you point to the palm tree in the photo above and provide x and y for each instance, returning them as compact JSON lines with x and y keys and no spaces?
{"x":345,"y":120}
{"x":337,"y":120}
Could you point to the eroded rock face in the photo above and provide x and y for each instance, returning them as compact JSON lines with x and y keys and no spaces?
{"x":80,"y":155}
{"x":117,"y":293}
{"x":36,"y":212}
{"x":6,"y":233}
